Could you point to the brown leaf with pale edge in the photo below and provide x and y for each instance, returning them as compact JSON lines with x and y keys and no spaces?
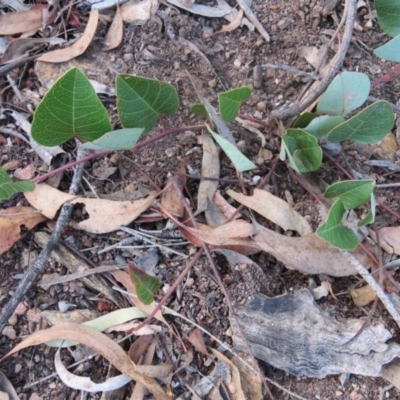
{"x":98,"y":342}
{"x":171,"y":199}
{"x":233,"y":236}
{"x":79,"y":47}
{"x":195,"y":337}
{"x":274,"y":209}
{"x":11,"y":221}
{"x":308,"y":254}
{"x":362,"y":296}
{"x":210,"y":167}
{"x":235,"y":23}
{"x":115,"y":33}
{"x":22,"y":21}
{"x":104,"y":215}
{"x":389,"y":237}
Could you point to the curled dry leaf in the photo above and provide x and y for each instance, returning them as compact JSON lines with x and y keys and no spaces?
{"x":308,"y":254}
{"x":389,"y":237}
{"x":274,"y":209}
{"x":98,"y":342}
{"x":362,"y":296}
{"x":23,"y":21}
{"x":84,"y":383}
{"x":209,"y":168}
{"x":11,"y":221}
{"x":115,"y":33}
{"x":104,"y":215}
{"x":233,"y":236}
{"x":171,"y":199}
{"x":235,"y":23}
{"x":138,"y":12}
{"x":79,"y":47}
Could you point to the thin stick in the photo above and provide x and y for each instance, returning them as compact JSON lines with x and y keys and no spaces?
{"x":253,"y":19}
{"x":296,"y":109}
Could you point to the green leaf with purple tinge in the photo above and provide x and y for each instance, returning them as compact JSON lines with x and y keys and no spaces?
{"x":145,"y":284}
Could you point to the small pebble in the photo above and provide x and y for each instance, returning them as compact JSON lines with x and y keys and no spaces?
{"x":171,"y":152}
{"x":128,"y":57}
{"x":237,"y":63}
{"x":258,"y":115}
{"x":9,"y":331}
{"x":241,"y":145}
{"x":17,"y":368}
{"x":261,"y":106}
{"x":256,"y":179}
{"x":212,"y":83}
{"x":259,"y":161}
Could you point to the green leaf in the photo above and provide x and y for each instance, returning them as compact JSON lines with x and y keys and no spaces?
{"x":145,"y":284}
{"x":334,"y":232}
{"x":239,"y":160}
{"x":141,"y":100}
{"x":121,"y":139}
{"x":70,"y":109}
{"x":388,"y":12}
{"x":347,"y":91}
{"x":368,"y":126}
{"x":370,"y":218}
{"x":390,"y":50}
{"x":353,"y":194}
{"x":229,"y":102}
{"x":321,"y":126}
{"x":303,"y":120}
{"x":304,"y":149}
{"x":199,"y":110}
{"x":8,"y":187}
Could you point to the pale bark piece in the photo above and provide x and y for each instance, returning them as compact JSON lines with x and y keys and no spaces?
{"x":11,"y":221}
{"x":210,"y":167}
{"x":98,"y":342}
{"x":172,"y":198}
{"x":292,"y":333}
{"x":97,"y":282}
{"x":138,"y":12}
{"x":362,"y":296}
{"x":104,"y":215}
{"x":274,"y":209}
{"x":115,"y":33}
{"x":308,"y":254}
{"x":389,"y":237}
{"x":79,"y":47}
{"x":22,"y":21}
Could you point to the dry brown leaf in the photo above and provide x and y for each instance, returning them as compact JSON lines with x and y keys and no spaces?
{"x":22,"y":21}
{"x":124,"y":278}
{"x":196,"y":338}
{"x":11,"y":221}
{"x":226,"y":209}
{"x":104,"y":215}
{"x":235,"y":23}
{"x":308,"y":254}
{"x":233,"y":236}
{"x":26,"y":173}
{"x":235,"y":387}
{"x":210,"y":168}
{"x":137,"y":11}
{"x":139,"y":347}
{"x":389,"y":237}
{"x":79,"y":47}
{"x":115,"y":33}
{"x":274,"y":209}
{"x":362,"y":296}
{"x":98,"y":342}
{"x":171,"y":199}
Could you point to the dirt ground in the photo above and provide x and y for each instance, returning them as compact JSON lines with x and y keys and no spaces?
{"x":219,"y":63}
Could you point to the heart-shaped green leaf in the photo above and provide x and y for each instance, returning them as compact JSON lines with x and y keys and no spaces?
{"x":306,"y":154}
{"x":303,"y":120}
{"x":70,"y":109}
{"x":141,"y":100}
{"x":8,"y":187}
{"x":199,"y":110}
{"x":334,"y":232}
{"x":390,"y":50}
{"x":121,"y":139}
{"x":321,"y":126}
{"x":230,"y":102}
{"x":145,"y":284}
{"x":347,"y":91}
{"x":239,"y":160}
{"x":368,"y":126}
{"x":388,"y":12}
{"x":353,"y":194}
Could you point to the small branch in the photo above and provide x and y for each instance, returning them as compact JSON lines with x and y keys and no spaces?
{"x":296,"y":109}
{"x":293,"y":70}
{"x":253,"y":19}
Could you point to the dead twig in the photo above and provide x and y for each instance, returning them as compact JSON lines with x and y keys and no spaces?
{"x":337,"y":62}
{"x":253,"y":19}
